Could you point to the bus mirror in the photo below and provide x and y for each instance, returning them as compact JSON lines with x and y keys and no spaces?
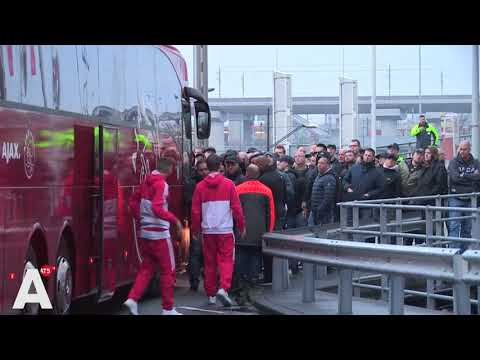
{"x":194,"y":94}
{"x":203,"y":119}
{"x":187,"y":118}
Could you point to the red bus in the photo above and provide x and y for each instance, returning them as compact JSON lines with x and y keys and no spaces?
{"x":80,"y":126}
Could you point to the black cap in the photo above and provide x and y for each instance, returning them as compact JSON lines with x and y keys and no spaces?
{"x":256,"y":155}
{"x":323,"y":154}
{"x":231,"y":152}
{"x":381,"y":155}
{"x":251,"y":150}
{"x":231,"y":158}
{"x":210,"y":149}
{"x":394,"y":146}
{"x":286,"y":158}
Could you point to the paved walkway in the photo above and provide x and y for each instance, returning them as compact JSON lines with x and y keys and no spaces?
{"x":189,"y":302}
{"x":289,"y":302}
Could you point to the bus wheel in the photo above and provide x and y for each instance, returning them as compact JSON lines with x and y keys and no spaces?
{"x":30,"y":263}
{"x":63,"y":282}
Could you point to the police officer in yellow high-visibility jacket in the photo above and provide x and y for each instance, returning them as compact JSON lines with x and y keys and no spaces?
{"x":424,"y":132}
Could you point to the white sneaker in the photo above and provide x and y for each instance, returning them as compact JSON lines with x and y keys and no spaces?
{"x":170,"y":312}
{"x":224,"y":299}
{"x":132,"y":306}
{"x":212,"y":300}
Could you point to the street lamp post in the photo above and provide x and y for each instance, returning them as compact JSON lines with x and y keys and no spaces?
{"x":475,"y":105}
{"x":374,"y":99}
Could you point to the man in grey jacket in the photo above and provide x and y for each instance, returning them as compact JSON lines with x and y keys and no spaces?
{"x":464,"y":174}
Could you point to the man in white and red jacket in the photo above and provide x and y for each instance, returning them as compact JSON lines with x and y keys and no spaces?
{"x":150,"y":208}
{"x":215,"y":205}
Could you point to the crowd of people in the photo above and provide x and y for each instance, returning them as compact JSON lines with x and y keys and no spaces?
{"x":238,"y":196}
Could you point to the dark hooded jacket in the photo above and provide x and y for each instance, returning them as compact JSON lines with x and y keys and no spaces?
{"x":324,"y":194}
{"x":274,"y":181}
{"x":393,"y":183}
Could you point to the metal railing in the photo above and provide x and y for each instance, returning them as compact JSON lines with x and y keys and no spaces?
{"x":431,"y":219}
{"x":397,"y":262}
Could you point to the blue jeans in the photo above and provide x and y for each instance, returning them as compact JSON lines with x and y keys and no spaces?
{"x":460,"y":228}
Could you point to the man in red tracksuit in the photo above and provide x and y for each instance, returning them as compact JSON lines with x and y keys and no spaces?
{"x":215,"y":205}
{"x":149,"y":206}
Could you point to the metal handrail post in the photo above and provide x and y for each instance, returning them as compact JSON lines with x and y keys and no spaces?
{"x":476,"y":235}
{"x":355,"y":221}
{"x":355,"y":225}
{"x":383,"y":224}
{"x":396,"y":295}
{"x":461,"y":291}
{"x":476,"y":228}
{"x":308,"y":292}
{"x":345,"y":288}
{"x":344,"y":221}
{"x":428,"y":242}
{"x":382,"y":240}
{"x":473,"y":200}
{"x":438,"y":215}
{"x":398,"y":219}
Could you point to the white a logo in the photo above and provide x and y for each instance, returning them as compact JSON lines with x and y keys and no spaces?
{"x":39,"y":297}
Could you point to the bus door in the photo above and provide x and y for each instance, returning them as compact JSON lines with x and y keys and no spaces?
{"x":109,"y":253}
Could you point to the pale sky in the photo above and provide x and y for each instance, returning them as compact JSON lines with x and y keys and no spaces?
{"x":316,"y":69}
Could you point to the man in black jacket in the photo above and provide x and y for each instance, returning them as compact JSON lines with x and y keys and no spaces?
{"x":271,"y":178}
{"x":464,"y":174}
{"x":259,"y":211}
{"x":300,"y":169}
{"x":195,"y":261}
{"x":324,"y":193}
{"x":233,"y":171}
{"x":285,"y":164}
{"x":393,"y":181}
{"x":332,"y":152}
{"x":364,"y":181}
